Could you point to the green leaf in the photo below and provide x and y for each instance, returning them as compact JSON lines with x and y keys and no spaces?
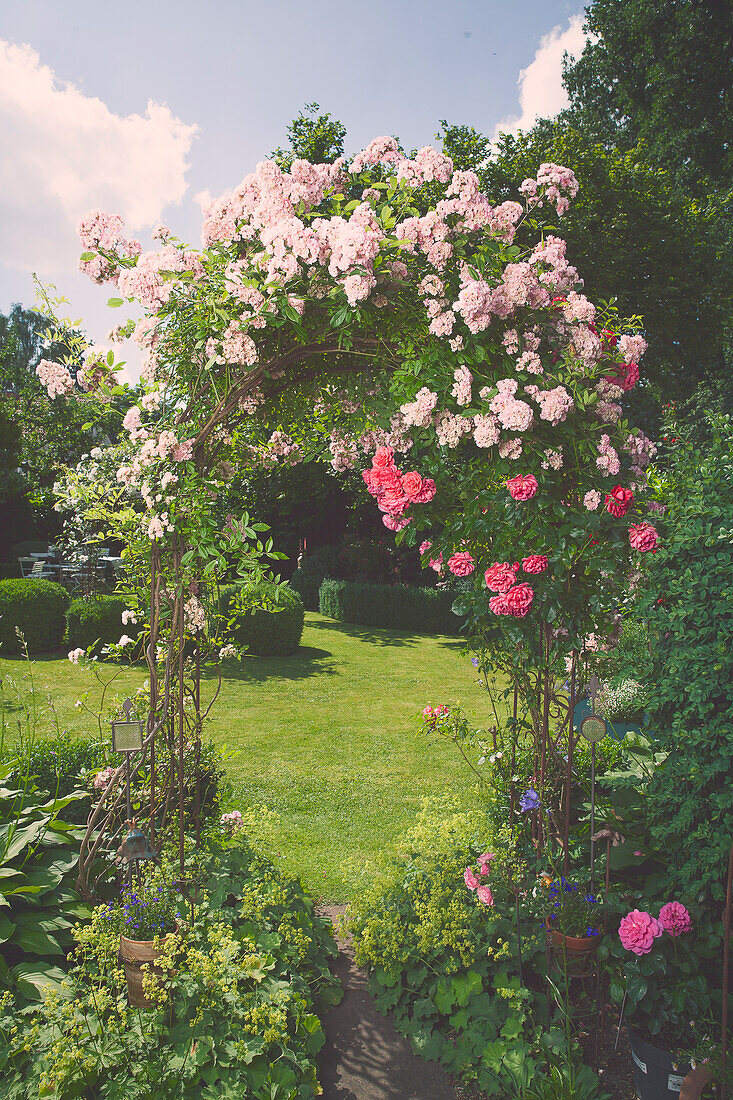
{"x":86,"y":256}
{"x":36,"y":941}
{"x":114,"y":302}
{"x":31,"y":979}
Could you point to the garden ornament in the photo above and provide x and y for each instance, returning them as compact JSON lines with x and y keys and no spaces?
{"x":135,"y":847}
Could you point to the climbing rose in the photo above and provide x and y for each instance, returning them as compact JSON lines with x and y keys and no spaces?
{"x":500,"y":577}
{"x":535,"y":563}
{"x":384,"y":456}
{"x":425,"y":546}
{"x":519,"y":600}
{"x":674,"y":918}
{"x":74,"y":655}
{"x":470,"y":879}
{"x":638,"y":932}
{"x":484,"y":862}
{"x":522,"y":487}
{"x":461,"y":564}
{"x":619,"y":500}
{"x":626,"y":377}
{"x":643,"y":537}
{"x":484,"y":895}
{"x":418,"y":489}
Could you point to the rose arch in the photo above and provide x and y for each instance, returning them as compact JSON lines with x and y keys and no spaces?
{"x":385,"y":314}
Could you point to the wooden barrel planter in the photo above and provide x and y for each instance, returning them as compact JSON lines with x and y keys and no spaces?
{"x":693,"y":1086}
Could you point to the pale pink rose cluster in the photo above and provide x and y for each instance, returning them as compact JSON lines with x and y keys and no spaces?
{"x":642,"y":451}
{"x":233,"y":821}
{"x":451,"y":428}
{"x":632,"y":348}
{"x":101,"y":779}
{"x":419,"y":413}
{"x":608,"y":460}
{"x":381,"y":150}
{"x":56,"y":379}
{"x":555,"y":404}
{"x":513,"y":415}
{"x":554,"y":184}
{"x":428,"y":165}
{"x":592,"y":500}
{"x":282,"y":446}
{"x":146,"y":281}
{"x":553,"y":459}
{"x":194,"y":615}
{"x":554,"y":269}
{"x":101,"y":230}
{"x":485,"y":430}
{"x":461,"y":390}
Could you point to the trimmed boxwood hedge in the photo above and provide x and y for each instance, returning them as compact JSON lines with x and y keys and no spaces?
{"x":99,"y":618}
{"x":391,"y":606}
{"x":265,"y":633}
{"x":38,"y":608}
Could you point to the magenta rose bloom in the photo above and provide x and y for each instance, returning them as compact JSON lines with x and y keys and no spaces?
{"x":674,"y":918}
{"x":643,"y":537}
{"x":522,"y":487}
{"x":500,"y":576}
{"x":384,"y":456}
{"x":497,"y":604}
{"x":393,"y":523}
{"x":535,"y":563}
{"x":461,"y":564}
{"x":519,"y":600}
{"x":425,"y":546}
{"x":619,"y":500}
{"x":638,"y":931}
{"x":626,"y":376}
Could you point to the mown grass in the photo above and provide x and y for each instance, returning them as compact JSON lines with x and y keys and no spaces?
{"x":329,"y":757}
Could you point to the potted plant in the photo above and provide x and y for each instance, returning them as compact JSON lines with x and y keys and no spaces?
{"x":572,"y":925}
{"x":145,"y":916}
{"x":661,"y":989}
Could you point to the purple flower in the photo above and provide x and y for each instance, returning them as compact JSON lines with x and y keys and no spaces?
{"x":530,"y":800}
{"x":475,"y":662}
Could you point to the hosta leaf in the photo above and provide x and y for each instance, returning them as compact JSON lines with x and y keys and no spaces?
{"x":31,"y":979}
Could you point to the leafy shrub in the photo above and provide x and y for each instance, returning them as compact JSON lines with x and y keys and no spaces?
{"x":99,"y":619}
{"x":444,"y":964}
{"x":58,"y":766}
{"x":313,"y":569}
{"x":243,"y":986}
{"x":38,"y":855}
{"x":38,"y":609}
{"x":397,"y":607}
{"x":367,"y":562}
{"x":689,"y":606}
{"x":265,"y":633}
{"x":623,"y":701}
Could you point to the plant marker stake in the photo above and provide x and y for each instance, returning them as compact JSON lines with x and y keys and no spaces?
{"x":726,"y":970}
{"x":620,"y":1021}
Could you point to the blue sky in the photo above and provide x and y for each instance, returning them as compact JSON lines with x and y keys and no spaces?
{"x":143,"y":108}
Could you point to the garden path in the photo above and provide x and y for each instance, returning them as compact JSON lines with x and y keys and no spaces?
{"x":365,"y":1057}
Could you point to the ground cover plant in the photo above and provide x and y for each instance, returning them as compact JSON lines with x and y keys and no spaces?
{"x":235,"y":1004}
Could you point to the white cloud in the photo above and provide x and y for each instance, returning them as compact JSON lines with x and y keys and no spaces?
{"x":67,"y":153}
{"x":541,"y":94}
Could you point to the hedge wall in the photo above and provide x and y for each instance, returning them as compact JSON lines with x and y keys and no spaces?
{"x":392,"y":606}
{"x":265,"y":633}
{"x":38,"y":608}
{"x":99,"y":618}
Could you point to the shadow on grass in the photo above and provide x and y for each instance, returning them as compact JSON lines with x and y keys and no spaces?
{"x":308,"y":661}
{"x":381,"y":636}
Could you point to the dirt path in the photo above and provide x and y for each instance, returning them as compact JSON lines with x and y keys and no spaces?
{"x":365,"y":1057}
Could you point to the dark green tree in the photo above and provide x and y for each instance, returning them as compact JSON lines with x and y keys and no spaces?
{"x":313,"y":136}
{"x":657,"y":76}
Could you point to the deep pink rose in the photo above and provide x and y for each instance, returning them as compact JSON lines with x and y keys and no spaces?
{"x":393,"y":507}
{"x":535,"y":563}
{"x":470,"y":879}
{"x":484,"y":862}
{"x":384,"y":456}
{"x":643,"y":537}
{"x":484,"y":895}
{"x":371,"y":482}
{"x":619,"y":500}
{"x":393,"y":523}
{"x":427,"y":491}
{"x":519,"y":600}
{"x":500,"y":576}
{"x":638,"y":931}
{"x":497,"y":604}
{"x":436,"y":563}
{"x":387,"y":479}
{"x":425,"y":546}
{"x":522,"y":487}
{"x":626,"y":377}
{"x":674,"y":918}
{"x":461,"y":564}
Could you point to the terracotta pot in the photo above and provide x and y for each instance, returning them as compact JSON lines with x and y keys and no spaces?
{"x":133,"y":954}
{"x":572,"y":953}
{"x":693,"y":1086}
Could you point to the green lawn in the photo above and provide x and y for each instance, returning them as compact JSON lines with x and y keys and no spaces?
{"x":328,"y":744}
